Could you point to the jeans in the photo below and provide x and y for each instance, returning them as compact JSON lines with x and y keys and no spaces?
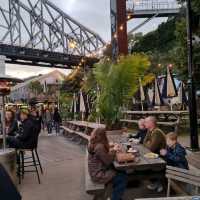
{"x":119,"y":185}
{"x":57,"y":127}
{"x":49,"y":127}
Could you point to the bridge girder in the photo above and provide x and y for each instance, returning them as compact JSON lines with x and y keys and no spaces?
{"x":40,"y":25}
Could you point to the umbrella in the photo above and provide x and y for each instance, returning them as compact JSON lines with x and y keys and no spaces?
{"x":74,"y":105}
{"x":157,"y":99}
{"x":142,"y":97}
{"x":169,"y":87}
{"x":182,"y":99}
{"x":45,"y":87}
{"x":82,"y":104}
{"x":150,"y":95}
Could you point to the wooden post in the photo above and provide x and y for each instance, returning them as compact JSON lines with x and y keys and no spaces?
{"x":119,"y":38}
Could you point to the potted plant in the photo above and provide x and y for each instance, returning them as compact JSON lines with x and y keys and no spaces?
{"x":117,"y":82}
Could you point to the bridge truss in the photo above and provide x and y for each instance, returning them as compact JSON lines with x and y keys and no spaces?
{"x":37,"y":32}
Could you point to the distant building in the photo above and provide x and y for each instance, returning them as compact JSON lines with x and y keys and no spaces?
{"x":22,"y":90}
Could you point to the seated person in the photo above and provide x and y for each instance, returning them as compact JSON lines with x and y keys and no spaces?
{"x":175,"y":154}
{"x":155,"y":138}
{"x":11,"y":123}
{"x":142,"y":131}
{"x":26,"y":137}
{"x":155,"y":141}
{"x":100,"y":160}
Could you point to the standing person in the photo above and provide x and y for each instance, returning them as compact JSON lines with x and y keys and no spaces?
{"x":100,"y":161}
{"x":42,"y":117}
{"x":11,"y":123}
{"x":48,"y":119}
{"x":175,"y":153}
{"x":154,"y":141}
{"x":57,"y":120}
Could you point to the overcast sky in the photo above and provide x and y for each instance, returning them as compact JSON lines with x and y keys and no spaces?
{"x":94,"y":14}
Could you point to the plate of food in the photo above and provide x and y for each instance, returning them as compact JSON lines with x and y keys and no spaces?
{"x":132,"y":150}
{"x":151,"y":155}
{"x":134,"y":140}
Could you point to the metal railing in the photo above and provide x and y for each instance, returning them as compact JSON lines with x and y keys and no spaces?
{"x":153,"y":5}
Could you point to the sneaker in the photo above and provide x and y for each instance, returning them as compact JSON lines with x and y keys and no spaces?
{"x":152,"y":186}
{"x":159,"y":188}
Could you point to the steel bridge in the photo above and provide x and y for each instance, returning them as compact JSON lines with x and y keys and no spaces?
{"x":37,"y":32}
{"x":149,"y":8}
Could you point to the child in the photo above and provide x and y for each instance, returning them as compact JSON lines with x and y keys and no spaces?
{"x":175,"y":154}
{"x":142,"y":131}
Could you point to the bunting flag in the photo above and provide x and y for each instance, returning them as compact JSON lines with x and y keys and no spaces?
{"x":182,"y":99}
{"x":157,"y":99}
{"x":169,"y":87}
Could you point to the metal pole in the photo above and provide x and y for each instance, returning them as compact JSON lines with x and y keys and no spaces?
{"x":3,"y":123}
{"x":194,"y":142}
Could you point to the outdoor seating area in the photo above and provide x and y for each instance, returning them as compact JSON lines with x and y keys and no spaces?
{"x":99,"y":100}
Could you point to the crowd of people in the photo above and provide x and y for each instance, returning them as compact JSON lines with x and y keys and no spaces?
{"x":101,"y":157}
{"x":24,"y":126}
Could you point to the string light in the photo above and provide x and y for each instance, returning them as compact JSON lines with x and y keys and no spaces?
{"x":121,"y":28}
{"x":72,"y":44}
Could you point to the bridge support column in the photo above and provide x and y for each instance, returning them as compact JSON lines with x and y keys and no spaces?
{"x":119,"y":37}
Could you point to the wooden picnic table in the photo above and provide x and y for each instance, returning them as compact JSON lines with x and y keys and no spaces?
{"x":87,"y":124}
{"x":165,"y":118}
{"x":173,"y":198}
{"x":167,"y":115}
{"x":144,"y":164}
{"x":156,"y":112}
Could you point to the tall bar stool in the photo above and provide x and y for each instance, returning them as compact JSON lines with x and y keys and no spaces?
{"x":31,"y":160}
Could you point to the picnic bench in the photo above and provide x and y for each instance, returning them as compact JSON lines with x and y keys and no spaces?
{"x":191,"y":177}
{"x":165,"y":118}
{"x":80,"y":130}
{"x":95,"y":189}
{"x":173,"y":198}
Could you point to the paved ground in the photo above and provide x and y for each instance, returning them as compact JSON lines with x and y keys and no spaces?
{"x":63,"y":163}
{"x":63,"y":179}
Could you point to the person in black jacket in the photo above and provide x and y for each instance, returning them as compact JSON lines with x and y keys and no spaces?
{"x":36,"y":119}
{"x":27,"y":135}
{"x":57,"y":120}
{"x":11,"y":123}
{"x":175,"y":154}
{"x":8,"y":190}
{"x":142,"y":131}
